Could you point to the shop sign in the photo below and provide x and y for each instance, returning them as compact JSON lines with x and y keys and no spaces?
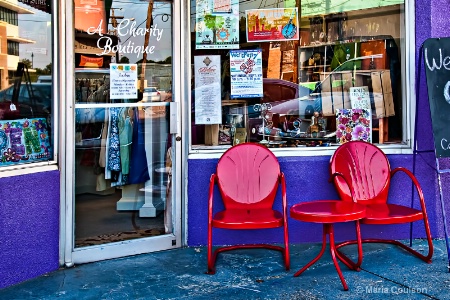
{"x":437,"y":70}
{"x":107,"y":45}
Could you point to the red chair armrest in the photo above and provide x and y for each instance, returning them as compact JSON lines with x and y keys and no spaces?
{"x":283,"y":195}
{"x":336,"y":174}
{"x":415,"y":182}
{"x":212,"y":182}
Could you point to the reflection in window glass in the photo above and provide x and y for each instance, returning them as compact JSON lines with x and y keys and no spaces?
{"x":299,"y":73}
{"x":123,"y":83}
{"x":26,"y":103}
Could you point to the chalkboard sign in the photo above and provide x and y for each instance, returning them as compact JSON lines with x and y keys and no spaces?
{"x":436,"y":57}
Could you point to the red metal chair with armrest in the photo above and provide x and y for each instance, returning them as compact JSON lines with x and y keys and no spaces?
{"x":248,"y":176}
{"x":367,"y":171}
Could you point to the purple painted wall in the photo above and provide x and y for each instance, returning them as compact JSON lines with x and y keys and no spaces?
{"x":307,"y":177}
{"x":29,"y":226}
{"x":29,"y":204}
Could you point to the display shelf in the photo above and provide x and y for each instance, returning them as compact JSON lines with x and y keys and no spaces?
{"x":212,"y":130}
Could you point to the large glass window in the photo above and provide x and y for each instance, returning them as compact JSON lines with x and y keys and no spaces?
{"x":26,"y":101}
{"x":296,"y":73}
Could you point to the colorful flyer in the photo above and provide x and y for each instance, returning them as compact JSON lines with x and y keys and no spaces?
{"x":123,"y":81}
{"x":208,"y":109}
{"x":246,"y":73}
{"x":24,"y":140}
{"x":217,"y":24}
{"x":276,"y":24}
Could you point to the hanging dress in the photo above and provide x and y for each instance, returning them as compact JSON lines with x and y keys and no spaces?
{"x":138,"y":158}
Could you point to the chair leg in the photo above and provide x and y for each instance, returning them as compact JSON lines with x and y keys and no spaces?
{"x":211,"y":257}
{"x":347,"y":261}
{"x":429,"y":239}
{"x":287,"y":259}
{"x":426,"y":258}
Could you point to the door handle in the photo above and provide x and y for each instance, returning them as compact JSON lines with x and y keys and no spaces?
{"x":173,"y":118}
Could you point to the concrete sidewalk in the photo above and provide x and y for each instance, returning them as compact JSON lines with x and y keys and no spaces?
{"x":388,"y":272}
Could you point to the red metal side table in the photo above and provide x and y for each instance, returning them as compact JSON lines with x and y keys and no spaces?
{"x":328,"y":212}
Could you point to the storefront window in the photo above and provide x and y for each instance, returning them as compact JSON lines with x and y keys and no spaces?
{"x":296,"y":73}
{"x":26,"y":101}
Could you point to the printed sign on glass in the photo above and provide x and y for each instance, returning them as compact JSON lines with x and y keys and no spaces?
{"x":277,"y":24}
{"x":208,"y":108}
{"x":123,"y":81}
{"x":246,"y":73}
{"x":217,"y":24}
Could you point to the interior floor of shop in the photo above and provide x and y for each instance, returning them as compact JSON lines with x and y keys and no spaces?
{"x":388,"y":272}
{"x":97,"y":221}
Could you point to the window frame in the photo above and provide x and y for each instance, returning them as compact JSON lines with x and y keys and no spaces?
{"x":408,"y":50}
{"x":57,"y":59}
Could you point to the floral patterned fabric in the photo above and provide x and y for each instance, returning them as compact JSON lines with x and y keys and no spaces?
{"x":114,"y":143}
{"x":353,"y":125}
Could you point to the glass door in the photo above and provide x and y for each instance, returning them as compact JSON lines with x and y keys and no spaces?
{"x":124,"y":148}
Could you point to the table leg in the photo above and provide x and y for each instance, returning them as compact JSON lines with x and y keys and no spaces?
{"x":327,"y":229}
{"x":347,"y":261}
{"x":324,"y":244}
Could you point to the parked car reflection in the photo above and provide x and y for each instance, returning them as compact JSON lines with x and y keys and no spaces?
{"x":34,"y":103}
{"x":151,"y":94}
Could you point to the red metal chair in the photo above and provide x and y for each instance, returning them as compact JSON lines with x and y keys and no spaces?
{"x":247,"y":176}
{"x":367,"y":172}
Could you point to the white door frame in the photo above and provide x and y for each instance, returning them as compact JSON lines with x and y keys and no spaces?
{"x":68,"y":254}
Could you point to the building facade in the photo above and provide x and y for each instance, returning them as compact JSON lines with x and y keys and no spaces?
{"x":67,"y":201}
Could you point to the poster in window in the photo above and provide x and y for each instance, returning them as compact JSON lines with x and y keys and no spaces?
{"x":24,"y":140}
{"x":208,"y":109}
{"x":246,"y":73}
{"x":276,"y":24}
{"x":217,"y":24}
{"x":359,"y":97}
{"x":353,"y":125}
{"x":123,"y":81}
